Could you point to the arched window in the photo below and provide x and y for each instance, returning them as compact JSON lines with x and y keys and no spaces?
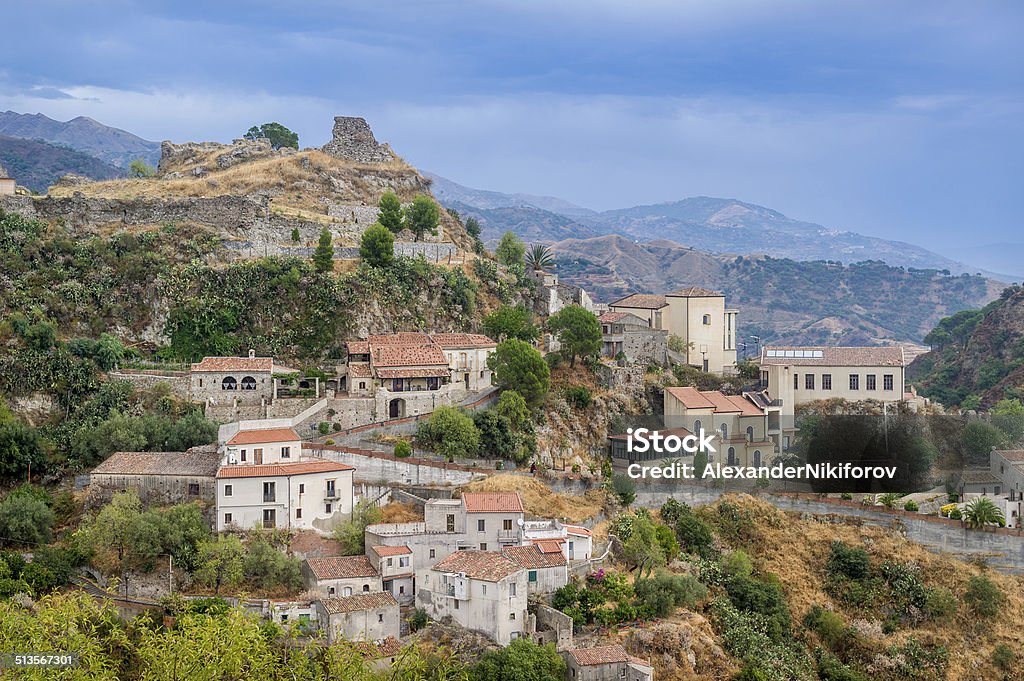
{"x":248,"y":383}
{"x":348,"y":591}
{"x":757,"y":458}
{"x":725,"y":431}
{"x":229,"y":383}
{"x":750,"y":433}
{"x":366,"y":588}
{"x":696,"y":427}
{"x":732,"y":456}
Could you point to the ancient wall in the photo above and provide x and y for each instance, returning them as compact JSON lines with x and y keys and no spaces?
{"x":352,"y":138}
{"x":144,"y":381}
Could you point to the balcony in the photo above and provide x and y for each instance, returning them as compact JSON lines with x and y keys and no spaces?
{"x":331,"y":493}
{"x":508,"y":536}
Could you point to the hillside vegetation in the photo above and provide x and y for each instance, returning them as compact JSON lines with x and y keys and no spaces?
{"x":37,"y":165}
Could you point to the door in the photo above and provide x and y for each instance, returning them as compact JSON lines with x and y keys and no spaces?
{"x":572,"y":550}
{"x":269,"y":518}
{"x":257,"y":456}
{"x":450,"y":525}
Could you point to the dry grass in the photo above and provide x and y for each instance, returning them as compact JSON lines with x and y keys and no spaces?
{"x":397,"y":512}
{"x":540,"y":501}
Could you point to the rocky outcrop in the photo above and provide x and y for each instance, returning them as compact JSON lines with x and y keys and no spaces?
{"x":190,"y":156}
{"x":352,"y":139}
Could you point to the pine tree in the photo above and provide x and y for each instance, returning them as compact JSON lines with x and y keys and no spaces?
{"x":323,"y":256}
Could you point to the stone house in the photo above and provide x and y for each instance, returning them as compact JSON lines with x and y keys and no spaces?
{"x":160,"y":478}
{"x":546,"y":572}
{"x":243,"y":379}
{"x":622,"y":332}
{"x":488,"y":520}
{"x":744,"y":432}
{"x":340,"y":576}
{"x":795,"y":375}
{"x":7,"y":184}
{"x":360,"y":617}
{"x":467,"y":355}
{"x":696,"y":315}
{"x":289,"y":613}
{"x":482,"y":590}
{"x":394,"y":564}
{"x":572,"y":541}
{"x":606,"y":663}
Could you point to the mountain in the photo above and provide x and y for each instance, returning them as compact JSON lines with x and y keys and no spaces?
{"x":37,"y":165}
{"x":977,"y":356}
{"x":781,"y":300}
{"x":112,"y":145}
{"x":529,"y":222}
{"x":724,"y":226}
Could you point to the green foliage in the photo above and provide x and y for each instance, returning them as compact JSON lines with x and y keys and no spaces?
{"x":539,"y":258}
{"x":139,"y":168}
{"x":578,"y":331}
{"x":265,"y":567}
{"x":764,"y":597}
{"x":450,"y":432}
{"x":848,"y":561}
{"x":979,"y":439}
{"x":390,"y":216}
{"x":518,"y":366}
{"x":579,"y":396}
{"x":940,"y":603}
{"x":981,"y":512}
{"x":624,"y":488}
{"x":984,"y":597}
{"x":830,"y":628}
{"x":153,"y":432}
{"x":418,"y":619}
{"x":26,"y":520}
{"x":377,"y":247}
{"x":662,"y":594}
{"x":403,"y":449}
{"x":671,"y":511}
{"x":510,"y":250}
{"x":521,"y":660}
{"x":220,"y":562}
{"x":422,"y":216}
{"x":323,"y":254}
{"x":746,"y":635}
{"x":911,"y":506}
{"x":279,"y":135}
{"x":1003,"y":657}
{"x":695,"y":534}
{"x":511,"y":322}
{"x":296,"y":237}
{"x":351,"y":533}
{"x":324,"y":427}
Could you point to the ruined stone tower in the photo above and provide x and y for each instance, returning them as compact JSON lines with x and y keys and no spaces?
{"x":353,"y":139}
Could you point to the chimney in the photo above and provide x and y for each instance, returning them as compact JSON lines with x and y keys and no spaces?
{"x":252,"y":353}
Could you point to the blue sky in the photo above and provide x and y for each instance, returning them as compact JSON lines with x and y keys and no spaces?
{"x":896,"y":119}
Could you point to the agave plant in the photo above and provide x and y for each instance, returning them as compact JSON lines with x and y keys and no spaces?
{"x":981,"y":512}
{"x":539,"y":258}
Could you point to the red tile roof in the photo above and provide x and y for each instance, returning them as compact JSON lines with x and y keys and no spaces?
{"x":489,"y":566}
{"x":578,"y":531}
{"x":723,"y":405}
{"x":691,"y":398}
{"x":647,"y":301}
{"x":358,"y":347}
{"x":548,"y":545}
{"x":341,"y":567}
{"x":609,"y":317}
{"x":194,"y":463}
{"x":407,"y":355}
{"x":278,"y":470}
{"x":388,"y":647}
{"x":696,"y":292}
{"x":240,"y":364}
{"x":747,"y":407}
{"x":613,"y":654}
{"x":493,"y":502}
{"x":834,"y":356}
{"x":531,"y":557}
{"x":359,"y":370}
{"x":400,"y":338}
{"x":462,"y":340}
{"x":254,"y":437}
{"x":1011,"y":454}
{"x":372,"y":601}
{"x":391,"y":550}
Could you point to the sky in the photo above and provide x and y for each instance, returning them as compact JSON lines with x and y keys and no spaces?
{"x":894,"y":119}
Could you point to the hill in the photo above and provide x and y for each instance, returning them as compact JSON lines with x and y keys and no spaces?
{"x":37,"y":165}
{"x":530,"y":223}
{"x":977,"y":356}
{"x":780,"y":299}
{"x":111,"y":145}
{"x":447,"y":192}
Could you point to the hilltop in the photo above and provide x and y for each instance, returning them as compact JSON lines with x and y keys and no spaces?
{"x":111,"y":145}
{"x":37,"y":165}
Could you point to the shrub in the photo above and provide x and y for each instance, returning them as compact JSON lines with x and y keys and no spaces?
{"x":846,"y":496}
{"x":911,"y":506}
{"x":336,"y":427}
{"x":695,"y":535}
{"x":889,"y":499}
{"x":418,"y":619}
{"x":848,"y":561}
{"x":403,"y":449}
{"x":762,"y":597}
{"x":295,"y":234}
{"x":579,"y":396}
{"x":323,"y":427}
{"x":984,"y":596}
{"x":662,"y":594}
{"x":624,"y":488}
{"x":450,"y":432}
{"x":1003,"y":657}
{"x":940,"y":602}
{"x":829,"y":627}
{"x":956,"y":514}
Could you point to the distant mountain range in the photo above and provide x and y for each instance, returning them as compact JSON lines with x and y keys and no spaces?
{"x":111,"y":145}
{"x":721,"y":226}
{"x":37,"y":165}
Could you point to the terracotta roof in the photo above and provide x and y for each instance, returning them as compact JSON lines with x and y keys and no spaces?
{"x":531,"y":557}
{"x":372,"y":601}
{"x":407,"y":355}
{"x":549,"y":546}
{"x":493,"y":502}
{"x":391,"y":550}
{"x":691,"y":398}
{"x":1011,"y":454}
{"x":412,"y":372}
{"x":490,"y":566}
{"x":462,"y":340}
{"x":609,"y":317}
{"x":251,"y":364}
{"x":341,"y":567}
{"x":696,"y":292}
{"x":723,"y":405}
{"x":401,"y":338}
{"x":358,"y":347}
{"x":833,"y":356}
{"x":388,"y":647}
{"x":251,"y":437}
{"x":277,"y":470}
{"x":359,"y":370}
{"x":613,"y":654}
{"x":578,"y":531}
{"x":198,"y":463}
{"x":647,"y":301}
{"x":747,"y":407}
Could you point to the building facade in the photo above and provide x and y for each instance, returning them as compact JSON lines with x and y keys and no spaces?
{"x":160,"y":478}
{"x":796,"y":375}
{"x":546,"y":572}
{"x":606,"y":663}
{"x":341,"y":576}
{"x":626,"y":335}
{"x":360,"y":617}
{"x":394,"y":564}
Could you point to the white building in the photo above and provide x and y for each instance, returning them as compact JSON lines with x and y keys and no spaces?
{"x":796,"y":375}
{"x":545,"y":572}
{"x":394,"y":564}
{"x":482,"y":590}
{"x":467,"y":355}
{"x":360,"y":617}
{"x":572,"y":541}
{"x":488,"y":520}
{"x":606,"y":663}
{"x":340,"y":576}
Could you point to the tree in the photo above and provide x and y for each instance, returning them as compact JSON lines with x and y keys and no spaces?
{"x":278,"y":135}
{"x":539,"y":258}
{"x":510,"y":250}
{"x":351,"y":533}
{"x":26,"y":519}
{"x":578,"y":331}
{"x":182,"y":529}
{"x":268,"y":568}
{"x":624,"y":488}
{"x":979,"y":439}
{"x":109,"y":352}
{"x":511,"y":321}
{"x":377,"y":247}
{"x":121,"y":537}
{"x":221,"y":562}
{"x":450,"y":432}
{"x":496,"y":437}
{"x":139,"y":168}
{"x":296,"y":237}
{"x":1008,"y":416}
{"x":642,"y":549}
{"x":390,"y":216}
{"x":422,"y":216}
{"x":518,"y":366}
{"x":323,"y":255}
{"x":521,"y":660}
{"x":695,"y":535}
{"x":473,"y":229}
{"x":679,"y":345}
{"x":983,"y":511}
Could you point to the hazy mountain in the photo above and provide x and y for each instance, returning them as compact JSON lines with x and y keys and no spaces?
{"x":112,"y":145}
{"x":530,"y":223}
{"x":37,"y":165}
{"x":448,"y":192}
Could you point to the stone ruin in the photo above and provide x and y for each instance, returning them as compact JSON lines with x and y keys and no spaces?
{"x":192,"y":154}
{"x":352,"y":139}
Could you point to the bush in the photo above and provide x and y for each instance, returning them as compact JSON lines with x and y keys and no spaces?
{"x":403,"y":449}
{"x":662,"y":594}
{"x":762,"y":597}
{"x":418,"y":619}
{"x":848,"y":561}
{"x":846,"y":496}
{"x":695,"y":535}
{"x":911,"y":506}
{"x":579,"y":396}
{"x":336,"y":427}
{"x":956,"y":514}
{"x":940,"y":602}
{"x":830,"y":628}
{"x":984,"y":596}
{"x":267,"y":568}
{"x":624,"y":488}
{"x":25,"y":518}
{"x":1003,"y":657}
{"x":323,"y":427}
{"x":450,"y":432}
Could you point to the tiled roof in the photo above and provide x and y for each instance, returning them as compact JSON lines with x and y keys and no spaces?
{"x":490,"y":566}
{"x":407,"y":355}
{"x":723,"y":405}
{"x":379,"y":599}
{"x":251,"y":364}
{"x":610,"y":317}
{"x":696,"y":292}
{"x":747,"y":408}
{"x":1011,"y":454}
{"x":198,"y":463}
{"x":358,"y":347}
{"x":412,"y":372}
{"x":253,"y":437}
{"x":493,"y":502}
{"x":531,"y":557}
{"x":401,"y":338}
{"x":277,"y":470}
{"x":392,"y":550}
{"x":359,"y":370}
{"x":388,"y":647}
{"x":834,"y":356}
{"x":462,"y":340}
{"x":341,"y":567}
{"x":647,"y":301}
{"x":613,"y":654}
{"x":578,"y":531}
{"x":716,"y":400}
{"x":691,"y":398}
{"x":549,"y":546}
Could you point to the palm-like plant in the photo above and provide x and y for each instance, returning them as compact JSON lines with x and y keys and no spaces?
{"x":539,"y":258}
{"x":981,"y":512}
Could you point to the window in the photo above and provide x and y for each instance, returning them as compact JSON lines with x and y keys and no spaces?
{"x":826,"y":381}
{"x":401,"y":590}
{"x":696,"y":426}
{"x":483,"y":589}
{"x":450,"y":523}
{"x":391,"y":562}
{"x":511,"y":615}
{"x":330,"y":591}
{"x":403,"y":561}
{"x":227,"y":518}
{"x":298,"y":513}
{"x":432,"y":553}
{"x":243,"y":455}
{"x":284,"y":618}
{"x":750,"y":433}
{"x":796,"y":381}
{"x":269,"y":492}
{"x":512,"y":589}
{"x":286,"y":452}
{"x":229,"y":383}
{"x":456,"y":605}
{"x":330,"y":490}
{"x":227,"y":490}
{"x":327,"y":508}
{"x":366,"y":588}
{"x":362,"y":385}
{"x":248,"y":383}
{"x":200,"y":383}
{"x":707,"y":320}
{"x":506,"y":524}
{"x":348,"y":591}
{"x":483,"y":546}
{"x":193,"y":489}
{"x":725,"y":431}
{"x":380,"y":617}
{"x":809,"y":381}
{"x":854,"y":381}
{"x":532,"y":575}
{"x":887,"y":382}
{"x":302,"y":488}
{"x":870,"y":382}
{"x":481,"y":525}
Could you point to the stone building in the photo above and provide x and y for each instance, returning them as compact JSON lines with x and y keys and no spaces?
{"x":467,"y":355}
{"x":340,"y":576}
{"x":606,"y":663}
{"x":160,"y":478}
{"x":622,"y":332}
{"x":352,"y":139}
{"x":7,"y":183}
{"x":394,"y":563}
{"x":546,"y":571}
{"x":795,"y":375}
{"x":235,"y":386}
{"x":360,"y":617}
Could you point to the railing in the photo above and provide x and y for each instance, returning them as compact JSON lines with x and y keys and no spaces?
{"x":507,"y":536}
{"x":331,"y":493}
{"x":269,"y":498}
